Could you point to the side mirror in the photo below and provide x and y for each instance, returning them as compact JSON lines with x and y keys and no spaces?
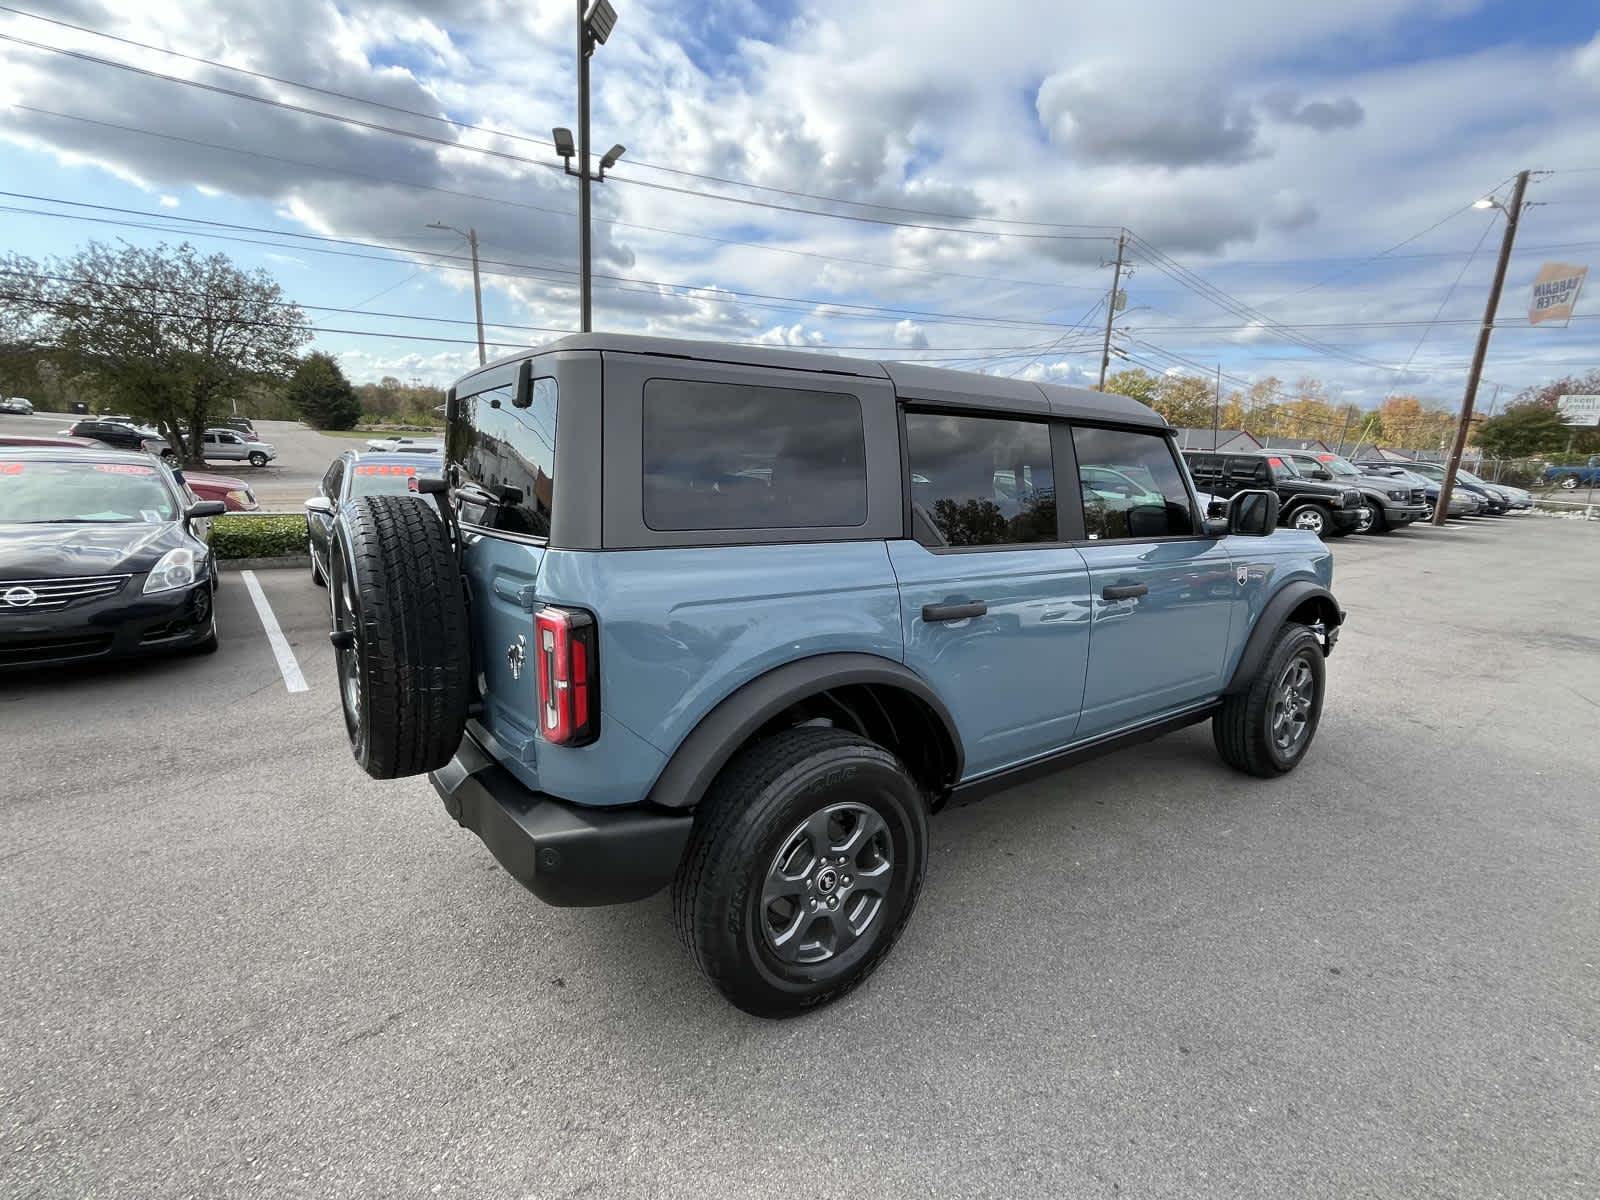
{"x":1322,"y":473}
{"x":1253,"y":513}
{"x":205,"y":508}
{"x":320,"y":504}
{"x":524,"y":393}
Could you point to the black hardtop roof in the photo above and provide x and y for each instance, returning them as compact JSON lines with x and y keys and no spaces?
{"x":911,"y":380}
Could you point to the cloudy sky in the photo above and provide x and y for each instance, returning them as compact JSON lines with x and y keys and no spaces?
{"x":932,"y":179}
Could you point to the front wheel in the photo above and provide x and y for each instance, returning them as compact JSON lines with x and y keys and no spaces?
{"x":1310,"y":518}
{"x":1266,"y":729}
{"x":1569,"y":483}
{"x":258,"y":459}
{"x":806,"y":860}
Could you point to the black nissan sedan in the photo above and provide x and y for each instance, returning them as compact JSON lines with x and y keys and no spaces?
{"x":101,"y":556}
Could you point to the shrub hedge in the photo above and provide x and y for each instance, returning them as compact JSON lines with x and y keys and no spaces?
{"x":258,"y":537}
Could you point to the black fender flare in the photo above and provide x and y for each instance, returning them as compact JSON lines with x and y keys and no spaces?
{"x":709,"y":746}
{"x":1290,"y":597}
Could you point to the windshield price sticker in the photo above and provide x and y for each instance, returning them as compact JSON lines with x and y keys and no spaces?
{"x":123,"y":469}
{"x":379,"y":469}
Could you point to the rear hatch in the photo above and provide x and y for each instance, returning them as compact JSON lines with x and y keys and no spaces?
{"x":500,"y":460}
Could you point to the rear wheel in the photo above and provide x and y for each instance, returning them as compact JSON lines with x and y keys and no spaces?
{"x":400,"y":635}
{"x":1569,"y":482}
{"x":1266,"y":729}
{"x":806,"y":861}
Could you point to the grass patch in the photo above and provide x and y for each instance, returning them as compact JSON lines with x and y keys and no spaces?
{"x":273,"y":536}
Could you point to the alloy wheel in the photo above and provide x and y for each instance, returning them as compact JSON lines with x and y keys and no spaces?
{"x":828,"y":884}
{"x":1309,"y":519}
{"x":1292,"y":697}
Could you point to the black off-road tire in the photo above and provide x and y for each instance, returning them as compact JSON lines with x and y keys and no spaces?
{"x":1242,"y":730}
{"x":1380,"y":520}
{"x":400,"y":607}
{"x":751,"y":811}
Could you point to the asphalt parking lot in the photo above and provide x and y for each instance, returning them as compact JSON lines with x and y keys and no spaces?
{"x":237,"y":967}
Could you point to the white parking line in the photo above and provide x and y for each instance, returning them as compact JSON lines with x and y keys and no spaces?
{"x":281,"y":650}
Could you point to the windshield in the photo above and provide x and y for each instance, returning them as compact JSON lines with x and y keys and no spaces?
{"x":388,"y":479}
{"x":37,"y":493}
{"x":1468,"y":476}
{"x":1339,"y":466}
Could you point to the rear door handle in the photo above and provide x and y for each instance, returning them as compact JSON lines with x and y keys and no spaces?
{"x":1125,"y":591}
{"x":953,"y":612}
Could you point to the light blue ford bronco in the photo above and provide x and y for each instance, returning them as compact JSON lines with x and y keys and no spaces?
{"x":739,"y":620}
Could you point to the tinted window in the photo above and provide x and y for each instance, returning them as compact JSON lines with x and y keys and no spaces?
{"x":506,"y":458}
{"x":731,"y":456}
{"x":980,"y":481}
{"x":1131,"y":485}
{"x":331,"y":481}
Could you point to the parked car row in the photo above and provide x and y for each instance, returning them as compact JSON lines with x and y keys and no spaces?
{"x":222,"y":443}
{"x":1330,"y":496}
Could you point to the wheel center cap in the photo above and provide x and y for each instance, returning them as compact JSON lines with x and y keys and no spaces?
{"x":827,"y":880}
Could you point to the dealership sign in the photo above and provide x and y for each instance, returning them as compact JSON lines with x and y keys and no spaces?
{"x":1555,"y":292}
{"x":1579,"y":410}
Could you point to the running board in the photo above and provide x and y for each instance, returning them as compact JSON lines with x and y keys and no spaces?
{"x":1008,"y":777}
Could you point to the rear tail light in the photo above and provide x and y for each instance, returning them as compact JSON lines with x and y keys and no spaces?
{"x":566,"y":667}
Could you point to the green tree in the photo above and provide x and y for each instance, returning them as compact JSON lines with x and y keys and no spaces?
{"x":1134,"y":382}
{"x":1522,"y":431}
{"x":163,"y":333}
{"x":322,"y":395}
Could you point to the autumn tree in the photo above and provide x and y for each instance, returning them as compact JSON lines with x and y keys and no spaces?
{"x":1522,"y":431}
{"x":165,"y":333}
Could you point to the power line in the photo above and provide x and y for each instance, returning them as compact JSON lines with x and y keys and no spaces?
{"x":864,"y":311}
{"x":523,"y":204}
{"x":465,"y":125}
{"x":399,"y":316}
{"x":1448,"y":296}
{"x":508,"y":156}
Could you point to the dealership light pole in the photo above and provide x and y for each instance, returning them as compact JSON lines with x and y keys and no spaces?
{"x":596,"y":20}
{"x":471,"y":235}
{"x":1513,"y":214}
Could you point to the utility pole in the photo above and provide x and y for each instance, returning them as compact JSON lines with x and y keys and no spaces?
{"x":1111,"y":309}
{"x":1216,"y":408}
{"x":471,"y":234}
{"x":1513,"y":213}
{"x":477,"y":291}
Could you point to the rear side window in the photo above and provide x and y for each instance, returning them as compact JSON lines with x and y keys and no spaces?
{"x":980,"y":481}
{"x":505,"y":458}
{"x":1131,"y":485}
{"x":732,"y":456}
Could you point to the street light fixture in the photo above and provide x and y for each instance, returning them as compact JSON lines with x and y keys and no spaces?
{"x":596,"y":20}
{"x":477,"y":288}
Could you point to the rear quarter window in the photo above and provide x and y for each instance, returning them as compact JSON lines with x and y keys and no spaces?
{"x":736,"y":456}
{"x":504,"y":458}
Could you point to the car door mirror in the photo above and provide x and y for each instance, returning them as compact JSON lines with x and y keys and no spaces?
{"x":205,"y":508}
{"x":1321,"y":473}
{"x":320,"y":504}
{"x":1253,"y":513}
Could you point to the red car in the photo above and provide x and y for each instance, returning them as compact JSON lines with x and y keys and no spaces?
{"x":235,"y":493}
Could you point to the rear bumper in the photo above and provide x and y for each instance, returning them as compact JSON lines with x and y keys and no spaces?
{"x":563,"y":853}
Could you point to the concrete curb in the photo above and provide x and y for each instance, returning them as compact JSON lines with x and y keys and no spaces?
{"x":300,"y":561}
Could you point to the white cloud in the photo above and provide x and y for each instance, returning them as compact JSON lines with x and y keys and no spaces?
{"x":169,"y":202}
{"x":908,"y":333}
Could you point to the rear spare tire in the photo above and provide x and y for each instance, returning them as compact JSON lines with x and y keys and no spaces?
{"x":400,"y":635}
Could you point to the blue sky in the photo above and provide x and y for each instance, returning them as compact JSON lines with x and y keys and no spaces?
{"x":1259,"y":152}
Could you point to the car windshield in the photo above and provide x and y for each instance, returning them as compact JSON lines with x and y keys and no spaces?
{"x":388,"y":479}
{"x":1468,"y":476}
{"x":38,"y":493}
{"x":1337,"y":465}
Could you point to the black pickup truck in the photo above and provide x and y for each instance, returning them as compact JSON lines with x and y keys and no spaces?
{"x":1326,"y":509}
